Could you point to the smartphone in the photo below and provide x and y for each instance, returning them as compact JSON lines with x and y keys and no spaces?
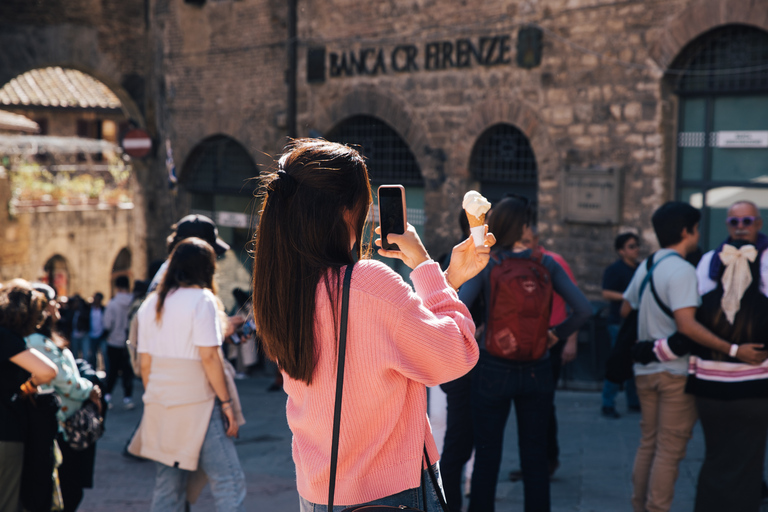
{"x":392,"y":214}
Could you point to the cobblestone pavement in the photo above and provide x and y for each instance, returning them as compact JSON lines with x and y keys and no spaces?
{"x":596,"y":459}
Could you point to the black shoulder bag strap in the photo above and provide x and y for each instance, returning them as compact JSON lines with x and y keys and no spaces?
{"x":339,"y":383}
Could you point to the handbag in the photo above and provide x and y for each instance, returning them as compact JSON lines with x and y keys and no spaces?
{"x":85,"y":427}
{"x":618,"y":367}
{"x":337,"y":420}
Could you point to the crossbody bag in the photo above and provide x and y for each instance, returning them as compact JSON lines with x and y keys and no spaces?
{"x":337,"y":422}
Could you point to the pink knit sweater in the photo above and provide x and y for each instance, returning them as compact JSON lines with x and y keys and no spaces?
{"x":398,"y":342}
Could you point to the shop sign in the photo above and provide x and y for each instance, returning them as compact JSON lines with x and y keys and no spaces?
{"x":486,"y":51}
{"x":741,"y":139}
{"x":591,"y":196}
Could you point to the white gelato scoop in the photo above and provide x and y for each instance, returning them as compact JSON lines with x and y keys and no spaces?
{"x":475,"y":204}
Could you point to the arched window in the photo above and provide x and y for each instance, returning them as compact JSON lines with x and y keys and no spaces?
{"x":221,"y":178}
{"x":219,"y":165}
{"x":388,"y":157}
{"x":502,"y":161}
{"x":721,"y":78}
{"x":389,"y":161}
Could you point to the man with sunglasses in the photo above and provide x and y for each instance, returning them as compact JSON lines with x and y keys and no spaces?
{"x":744,"y":224}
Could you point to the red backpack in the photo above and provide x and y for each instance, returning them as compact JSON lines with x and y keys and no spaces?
{"x":521,"y":304}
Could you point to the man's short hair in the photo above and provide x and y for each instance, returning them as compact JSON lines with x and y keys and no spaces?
{"x":670,"y":220}
{"x":123,"y":283}
{"x":622,"y":240}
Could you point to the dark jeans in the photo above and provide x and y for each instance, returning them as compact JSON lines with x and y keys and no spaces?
{"x":496,"y":383}
{"x":556,"y":359}
{"x":119,"y":363}
{"x":457,"y":448}
{"x":735,"y":437}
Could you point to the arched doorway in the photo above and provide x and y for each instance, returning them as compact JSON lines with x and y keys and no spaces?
{"x":722,"y":143}
{"x":56,"y":274}
{"x":390,"y":161}
{"x":121,"y":267}
{"x":502,"y":160}
{"x":219,"y":175}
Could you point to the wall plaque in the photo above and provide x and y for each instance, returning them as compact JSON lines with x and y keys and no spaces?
{"x":591,"y":196}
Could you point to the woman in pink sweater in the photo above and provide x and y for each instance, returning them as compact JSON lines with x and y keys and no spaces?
{"x":398,"y":340}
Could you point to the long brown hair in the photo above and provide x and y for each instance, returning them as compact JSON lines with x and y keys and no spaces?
{"x":21,"y":307}
{"x":303,"y":237}
{"x":192,"y":263}
{"x":508,"y":218}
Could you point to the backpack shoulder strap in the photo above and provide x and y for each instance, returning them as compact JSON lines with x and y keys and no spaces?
{"x":650,"y":265}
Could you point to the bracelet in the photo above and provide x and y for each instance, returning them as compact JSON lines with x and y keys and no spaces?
{"x":734,"y":350}
{"x":29,"y":387}
{"x":223,"y":402}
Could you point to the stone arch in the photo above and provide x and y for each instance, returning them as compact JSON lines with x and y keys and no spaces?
{"x":234,"y":148}
{"x":699,"y":17}
{"x":510,"y":111}
{"x":391,"y":109}
{"x":67,"y":46}
{"x":58,"y":274}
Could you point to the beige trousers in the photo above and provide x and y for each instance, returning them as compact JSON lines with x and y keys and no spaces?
{"x":668,"y":416}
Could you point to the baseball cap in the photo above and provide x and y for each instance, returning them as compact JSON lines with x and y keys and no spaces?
{"x":46,"y":290}
{"x":201,"y":226}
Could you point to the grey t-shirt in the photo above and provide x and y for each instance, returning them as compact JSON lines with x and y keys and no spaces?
{"x":676,"y":284}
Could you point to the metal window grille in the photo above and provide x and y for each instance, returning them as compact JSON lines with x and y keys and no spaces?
{"x":503,"y":154}
{"x":733,"y":58}
{"x":388,"y":157}
{"x":220,"y":165}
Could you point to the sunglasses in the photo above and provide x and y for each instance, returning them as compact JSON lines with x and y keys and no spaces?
{"x":744,"y":221}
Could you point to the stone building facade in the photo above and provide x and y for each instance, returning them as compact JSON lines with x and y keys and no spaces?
{"x":582,"y":94}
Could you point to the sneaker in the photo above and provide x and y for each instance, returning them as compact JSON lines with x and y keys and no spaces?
{"x":633,"y":408}
{"x":240,"y":376}
{"x":128,"y":404}
{"x":610,"y":412}
{"x":108,"y":399}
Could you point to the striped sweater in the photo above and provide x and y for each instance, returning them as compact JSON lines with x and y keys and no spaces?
{"x":713,"y":374}
{"x":398,"y":342}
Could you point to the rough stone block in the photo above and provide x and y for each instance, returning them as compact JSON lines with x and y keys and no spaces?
{"x":633,"y":110}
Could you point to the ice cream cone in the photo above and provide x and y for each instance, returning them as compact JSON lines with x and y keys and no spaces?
{"x":476,"y":207}
{"x":475,"y":221}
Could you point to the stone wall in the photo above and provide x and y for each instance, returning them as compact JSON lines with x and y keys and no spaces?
{"x":597,"y":100}
{"x":222,"y":69}
{"x":89,"y":238}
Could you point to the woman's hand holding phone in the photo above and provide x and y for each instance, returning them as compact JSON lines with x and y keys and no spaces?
{"x":412,"y":251}
{"x":467,"y":260}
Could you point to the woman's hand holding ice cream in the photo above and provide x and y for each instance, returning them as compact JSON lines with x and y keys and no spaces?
{"x":476,"y":207}
{"x":468,"y":259}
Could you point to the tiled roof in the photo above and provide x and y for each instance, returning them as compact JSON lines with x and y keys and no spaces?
{"x":57,"y":87}
{"x":17,"y":123}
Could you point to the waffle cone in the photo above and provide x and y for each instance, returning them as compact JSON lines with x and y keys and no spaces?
{"x":475,"y":221}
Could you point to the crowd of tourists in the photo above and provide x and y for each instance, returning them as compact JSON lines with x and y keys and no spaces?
{"x":493,"y":322}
